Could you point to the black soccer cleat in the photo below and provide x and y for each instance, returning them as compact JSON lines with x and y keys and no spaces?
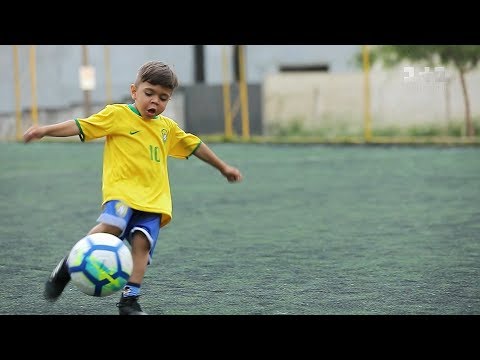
{"x":129,"y":306}
{"x":57,"y":281}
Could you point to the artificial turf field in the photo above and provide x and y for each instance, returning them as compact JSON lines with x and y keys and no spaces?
{"x":312,"y":230}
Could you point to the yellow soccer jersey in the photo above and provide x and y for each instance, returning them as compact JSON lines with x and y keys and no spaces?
{"x":135,"y":156}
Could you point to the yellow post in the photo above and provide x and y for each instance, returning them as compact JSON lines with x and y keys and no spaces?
{"x":367,"y":116}
{"x":227,"y":107}
{"x":18,"y":111}
{"x":108,"y":80}
{"x":243,"y":93}
{"x":33,"y":78}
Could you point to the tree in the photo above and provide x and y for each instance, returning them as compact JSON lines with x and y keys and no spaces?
{"x":463,"y":57}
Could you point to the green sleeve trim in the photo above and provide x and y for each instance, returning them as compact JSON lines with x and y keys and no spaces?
{"x":81,"y":135}
{"x":196,"y":147}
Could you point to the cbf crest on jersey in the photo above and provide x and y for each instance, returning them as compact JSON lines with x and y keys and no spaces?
{"x":164,"y":135}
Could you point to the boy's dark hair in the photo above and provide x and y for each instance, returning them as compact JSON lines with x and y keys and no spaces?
{"x":157,"y":73}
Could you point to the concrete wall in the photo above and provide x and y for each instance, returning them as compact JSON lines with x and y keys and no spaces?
{"x":57,"y":68}
{"x":318,"y":100}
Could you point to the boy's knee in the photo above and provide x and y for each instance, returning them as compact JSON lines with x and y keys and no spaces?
{"x":140,"y":239}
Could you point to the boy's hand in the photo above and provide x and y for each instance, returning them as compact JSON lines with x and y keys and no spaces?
{"x":34,"y":132}
{"x":232,"y":174}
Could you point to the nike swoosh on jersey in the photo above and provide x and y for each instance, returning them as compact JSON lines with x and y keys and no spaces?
{"x":134,"y":132}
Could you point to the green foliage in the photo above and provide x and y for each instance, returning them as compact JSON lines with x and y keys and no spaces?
{"x":338,"y":129}
{"x":415,"y":130}
{"x":392,"y":55}
{"x":293,"y":128}
{"x":331,"y":128}
{"x":453,"y":128}
{"x":463,"y":57}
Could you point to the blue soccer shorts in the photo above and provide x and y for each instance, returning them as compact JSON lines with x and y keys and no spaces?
{"x":119,"y":214}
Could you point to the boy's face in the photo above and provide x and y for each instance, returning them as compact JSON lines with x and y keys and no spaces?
{"x":150,"y":100}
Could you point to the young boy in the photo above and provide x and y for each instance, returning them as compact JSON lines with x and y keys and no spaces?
{"x":135,"y":185}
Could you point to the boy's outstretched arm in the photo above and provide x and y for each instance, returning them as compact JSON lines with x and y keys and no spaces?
{"x":204,"y":153}
{"x":63,"y":129}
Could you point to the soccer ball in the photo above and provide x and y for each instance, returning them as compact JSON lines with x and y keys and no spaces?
{"x":100,"y":264}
